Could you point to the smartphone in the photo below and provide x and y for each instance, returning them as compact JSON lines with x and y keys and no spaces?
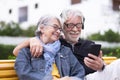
{"x":94,"y":49}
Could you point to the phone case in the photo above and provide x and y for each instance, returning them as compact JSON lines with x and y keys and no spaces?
{"x":95,"y":49}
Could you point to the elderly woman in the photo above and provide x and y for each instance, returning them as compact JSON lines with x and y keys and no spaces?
{"x":57,"y":60}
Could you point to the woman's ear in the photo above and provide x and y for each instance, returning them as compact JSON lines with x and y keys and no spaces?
{"x":42,"y":29}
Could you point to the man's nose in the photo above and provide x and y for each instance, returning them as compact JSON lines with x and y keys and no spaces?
{"x":75,"y":28}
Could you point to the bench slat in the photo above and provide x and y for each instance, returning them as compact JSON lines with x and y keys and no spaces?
{"x":7,"y":61}
{"x":7,"y":73}
{"x":6,"y":66}
{"x":108,"y":60}
{"x":13,"y":78}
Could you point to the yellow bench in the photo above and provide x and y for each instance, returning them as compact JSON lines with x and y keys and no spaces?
{"x":7,"y":71}
{"x":108,"y":60}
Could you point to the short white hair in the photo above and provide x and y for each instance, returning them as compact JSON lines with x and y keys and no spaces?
{"x":67,"y":12}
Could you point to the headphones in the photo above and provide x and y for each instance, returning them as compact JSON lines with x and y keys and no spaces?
{"x":83,"y":23}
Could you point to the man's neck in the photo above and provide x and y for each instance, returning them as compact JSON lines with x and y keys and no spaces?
{"x":71,"y":42}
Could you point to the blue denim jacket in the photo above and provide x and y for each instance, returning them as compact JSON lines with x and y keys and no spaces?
{"x":29,"y":68}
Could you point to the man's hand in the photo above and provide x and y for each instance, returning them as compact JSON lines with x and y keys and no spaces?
{"x":36,"y":47}
{"x":94,"y":62}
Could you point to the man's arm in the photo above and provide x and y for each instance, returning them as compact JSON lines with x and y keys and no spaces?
{"x":20,"y":46}
{"x":34,"y":44}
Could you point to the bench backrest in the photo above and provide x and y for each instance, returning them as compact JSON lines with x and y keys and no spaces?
{"x":108,"y":60}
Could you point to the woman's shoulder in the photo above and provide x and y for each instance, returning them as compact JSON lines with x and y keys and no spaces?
{"x":64,"y":48}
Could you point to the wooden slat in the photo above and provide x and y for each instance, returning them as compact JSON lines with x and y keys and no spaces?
{"x":13,"y":78}
{"x":6,"y":66}
{"x":108,"y":60}
{"x":7,"y":73}
{"x":7,"y":61}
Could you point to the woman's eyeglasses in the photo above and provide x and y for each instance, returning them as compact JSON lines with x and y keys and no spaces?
{"x":56,"y":27}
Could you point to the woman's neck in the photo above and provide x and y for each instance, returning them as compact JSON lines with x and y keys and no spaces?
{"x":44,"y":39}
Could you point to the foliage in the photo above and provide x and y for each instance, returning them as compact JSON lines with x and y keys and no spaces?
{"x":11,"y":57}
{"x":14,"y":29}
{"x":6,"y":51}
{"x":111,"y":52}
{"x":95,"y":36}
{"x":30,"y":31}
{"x":109,"y":36}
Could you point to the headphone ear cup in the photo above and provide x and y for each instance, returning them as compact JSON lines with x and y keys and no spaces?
{"x":83,"y":23}
{"x":83,"y":26}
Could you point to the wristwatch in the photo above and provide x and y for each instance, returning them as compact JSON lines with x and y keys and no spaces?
{"x":103,"y":67}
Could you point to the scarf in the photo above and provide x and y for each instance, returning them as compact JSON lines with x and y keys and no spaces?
{"x":50,"y":50}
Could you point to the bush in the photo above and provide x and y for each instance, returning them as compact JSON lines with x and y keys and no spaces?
{"x":109,"y":36}
{"x":6,"y":51}
{"x":10,"y":29}
{"x":95,"y":36}
{"x":111,"y":52}
{"x":30,"y":31}
{"x":14,"y":29}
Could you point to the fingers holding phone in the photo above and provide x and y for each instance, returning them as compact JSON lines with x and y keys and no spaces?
{"x":93,"y":59}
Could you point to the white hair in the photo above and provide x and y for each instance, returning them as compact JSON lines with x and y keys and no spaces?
{"x":43,"y":21}
{"x":68,"y":12}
